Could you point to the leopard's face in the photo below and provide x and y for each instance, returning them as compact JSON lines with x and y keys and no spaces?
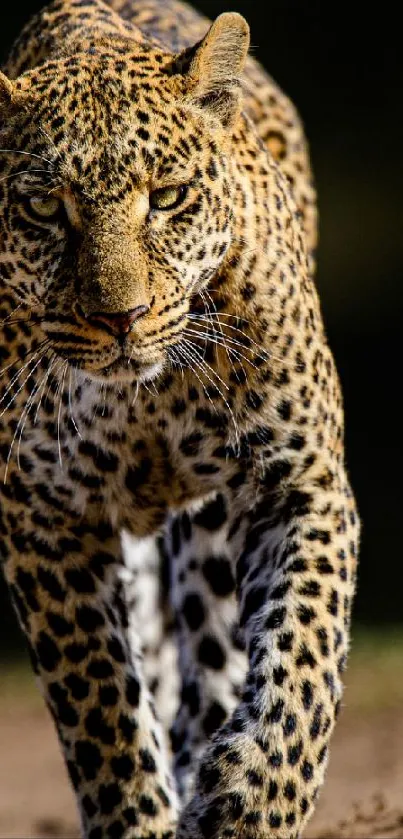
{"x":117,"y":200}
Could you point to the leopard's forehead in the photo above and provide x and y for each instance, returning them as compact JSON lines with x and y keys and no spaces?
{"x":97,"y":90}
{"x":115,"y":63}
{"x":106,"y":114}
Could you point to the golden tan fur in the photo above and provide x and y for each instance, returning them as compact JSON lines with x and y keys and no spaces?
{"x":166,"y":371}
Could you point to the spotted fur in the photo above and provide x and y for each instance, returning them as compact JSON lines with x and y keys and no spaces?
{"x":165,"y":373}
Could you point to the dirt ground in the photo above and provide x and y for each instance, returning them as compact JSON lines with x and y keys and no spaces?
{"x":362,"y":797}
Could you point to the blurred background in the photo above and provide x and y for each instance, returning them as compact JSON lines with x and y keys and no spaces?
{"x":341,"y":64}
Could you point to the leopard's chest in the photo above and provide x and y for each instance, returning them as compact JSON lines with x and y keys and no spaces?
{"x":132,"y":458}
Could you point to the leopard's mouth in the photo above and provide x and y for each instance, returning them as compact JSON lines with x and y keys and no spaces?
{"x":119,"y":359}
{"x":122,"y":368}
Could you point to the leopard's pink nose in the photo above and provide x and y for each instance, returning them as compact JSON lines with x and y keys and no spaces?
{"x":120,"y":323}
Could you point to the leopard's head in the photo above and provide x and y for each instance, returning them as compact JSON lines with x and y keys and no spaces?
{"x":116,"y":192}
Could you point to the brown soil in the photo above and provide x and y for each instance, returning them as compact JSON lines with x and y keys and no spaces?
{"x":362,"y":798}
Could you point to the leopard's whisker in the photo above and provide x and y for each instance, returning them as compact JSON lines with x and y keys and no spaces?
{"x":10,"y":314}
{"x":172,"y":355}
{"x":30,"y":352}
{"x":213,"y":316}
{"x":202,"y":364}
{"x":20,"y":320}
{"x":215,"y":312}
{"x":62,"y":378}
{"x":24,"y":412}
{"x":228,"y":339}
{"x":55,"y":372}
{"x":190,"y":361}
{"x":217,"y":339}
{"x":206,"y":307}
{"x":103,"y":390}
{"x":71,"y":414}
{"x":226,"y":314}
{"x":146,"y":388}
{"x":15,"y":379}
{"x":52,"y":360}
{"x":266,"y":356}
{"x":209,"y":367}
{"x":134,"y":400}
{"x":226,"y":325}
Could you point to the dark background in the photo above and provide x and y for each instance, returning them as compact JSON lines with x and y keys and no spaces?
{"x":341,"y":67}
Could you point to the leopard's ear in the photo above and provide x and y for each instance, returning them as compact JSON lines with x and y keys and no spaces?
{"x":6,"y":92}
{"x":14,"y":96}
{"x":214,"y":66}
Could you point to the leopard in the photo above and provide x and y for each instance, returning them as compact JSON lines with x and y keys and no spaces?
{"x":178,"y":531}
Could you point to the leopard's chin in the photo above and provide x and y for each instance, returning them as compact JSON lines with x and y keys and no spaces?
{"x":121,"y":370}
{"x":126,"y":372}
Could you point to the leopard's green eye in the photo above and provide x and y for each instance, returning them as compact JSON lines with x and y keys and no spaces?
{"x":167,"y":198}
{"x":45,"y":208}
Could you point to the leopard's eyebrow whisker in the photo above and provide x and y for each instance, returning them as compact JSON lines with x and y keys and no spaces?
{"x":24,"y":172}
{"x":48,"y":137}
{"x":27,"y":154}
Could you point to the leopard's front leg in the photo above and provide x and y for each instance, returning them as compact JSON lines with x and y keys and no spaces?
{"x":212,"y":660}
{"x":260,"y":775}
{"x":63,"y":575}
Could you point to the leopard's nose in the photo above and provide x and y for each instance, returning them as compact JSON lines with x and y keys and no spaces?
{"x":119,"y":323}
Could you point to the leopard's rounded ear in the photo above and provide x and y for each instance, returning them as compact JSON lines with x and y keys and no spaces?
{"x":14,"y":96}
{"x":215,"y":64}
{"x":6,"y":92}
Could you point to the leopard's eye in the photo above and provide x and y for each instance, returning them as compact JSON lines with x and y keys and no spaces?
{"x":167,"y":198}
{"x":45,"y":208}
